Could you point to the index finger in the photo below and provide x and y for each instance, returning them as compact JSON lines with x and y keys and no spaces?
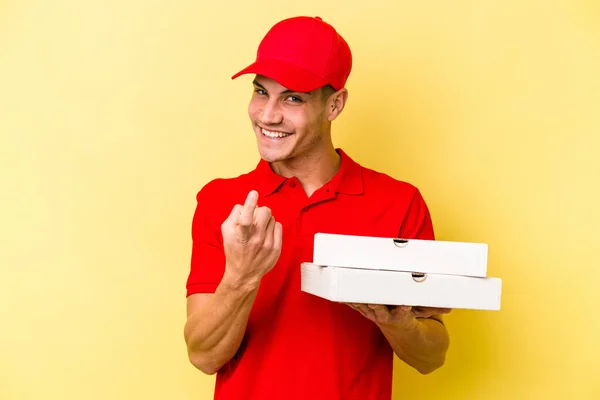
{"x":247,"y":215}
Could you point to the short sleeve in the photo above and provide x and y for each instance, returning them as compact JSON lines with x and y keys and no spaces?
{"x":417,"y":223}
{"x":208,"y":258}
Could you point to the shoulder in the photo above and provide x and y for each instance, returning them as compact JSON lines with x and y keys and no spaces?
{"x":403,"y":201}
{"x":380,"y":184}
{"x":377,"y":184}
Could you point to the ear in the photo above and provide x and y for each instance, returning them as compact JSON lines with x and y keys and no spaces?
{"x":336,"y":103}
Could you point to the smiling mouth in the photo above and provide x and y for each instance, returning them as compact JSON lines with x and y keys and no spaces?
{"x":274,"y":134}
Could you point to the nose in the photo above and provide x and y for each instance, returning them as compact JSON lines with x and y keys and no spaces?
{"x":271,"y":114}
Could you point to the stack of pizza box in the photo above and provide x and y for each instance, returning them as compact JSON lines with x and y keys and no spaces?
{"x":393,"y":271}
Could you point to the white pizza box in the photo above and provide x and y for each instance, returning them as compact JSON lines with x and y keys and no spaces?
{"x":394,"y":254}
{"x":350,"y":285}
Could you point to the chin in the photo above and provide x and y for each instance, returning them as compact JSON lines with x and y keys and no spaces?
{"x":274,"y":151}
{"x":271,"y":155}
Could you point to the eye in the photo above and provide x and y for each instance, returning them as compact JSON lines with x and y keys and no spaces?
{"x":295,"y":99}
{"x":260,"y":92}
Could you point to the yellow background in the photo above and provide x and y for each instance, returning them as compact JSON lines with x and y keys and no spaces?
{"x":113,"y":114}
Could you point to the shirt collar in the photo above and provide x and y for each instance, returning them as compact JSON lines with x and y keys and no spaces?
{"x":268,"y":181}
{"x":348,"y":179}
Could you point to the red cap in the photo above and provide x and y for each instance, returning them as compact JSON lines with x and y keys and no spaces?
{"x":302,"y":54}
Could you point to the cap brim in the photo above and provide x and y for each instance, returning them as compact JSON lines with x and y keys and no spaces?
{"x":288,"y":75}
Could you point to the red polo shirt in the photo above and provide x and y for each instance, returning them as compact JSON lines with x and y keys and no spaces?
{"x":299,"y":346}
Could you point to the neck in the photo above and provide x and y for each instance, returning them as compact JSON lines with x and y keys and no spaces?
{"x":312,"y":170}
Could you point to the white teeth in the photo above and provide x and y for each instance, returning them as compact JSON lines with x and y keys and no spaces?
{"x":274,"y":135}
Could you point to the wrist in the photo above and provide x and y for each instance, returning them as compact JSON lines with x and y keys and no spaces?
{"x":237,"y":283}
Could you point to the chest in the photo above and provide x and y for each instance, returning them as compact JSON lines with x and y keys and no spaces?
{"x":280,"y":300}
{"x":302,"y":217}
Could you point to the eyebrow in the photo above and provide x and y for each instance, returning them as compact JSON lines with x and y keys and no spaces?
{"x":284,"y":92}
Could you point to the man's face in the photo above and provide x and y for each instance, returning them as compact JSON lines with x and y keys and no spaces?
{"x":287,"y":124}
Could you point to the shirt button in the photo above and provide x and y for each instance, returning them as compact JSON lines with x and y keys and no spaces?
{"x":292,"y":184}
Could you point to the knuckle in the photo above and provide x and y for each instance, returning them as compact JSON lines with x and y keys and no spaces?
{"x":268,"y":243}
{"x":237,"y":209}
{"x":255,"y":240}
{"x":224,"y":226}
{"x":265,"y":212}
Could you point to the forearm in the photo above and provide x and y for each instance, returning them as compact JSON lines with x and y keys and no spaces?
{"x":214,"y":332}
{"x":422,"y":344}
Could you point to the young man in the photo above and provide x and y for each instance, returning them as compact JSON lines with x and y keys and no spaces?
{"x":248,"y":321}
